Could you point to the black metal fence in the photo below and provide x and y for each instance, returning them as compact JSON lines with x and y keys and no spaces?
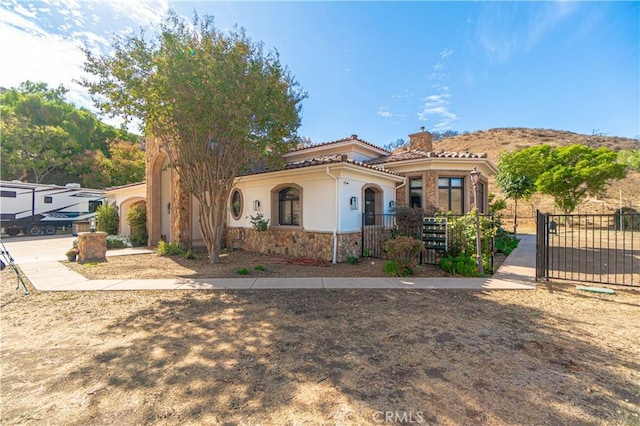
{"x":376,"y":229}
{"x":437,"y":233}
{"x":597,"y":248}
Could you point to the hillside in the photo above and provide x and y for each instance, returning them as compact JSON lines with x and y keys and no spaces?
{"x":496,"y":141}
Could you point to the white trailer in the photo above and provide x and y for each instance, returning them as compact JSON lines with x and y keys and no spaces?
{"x":38,"y":209}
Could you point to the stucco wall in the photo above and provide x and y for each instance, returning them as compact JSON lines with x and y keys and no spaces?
{"x":318,"y":197}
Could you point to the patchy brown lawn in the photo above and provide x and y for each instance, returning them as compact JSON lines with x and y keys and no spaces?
{"x":549,"y":356}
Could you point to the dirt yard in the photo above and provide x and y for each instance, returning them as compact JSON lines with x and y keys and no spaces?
{"x":154,"y":266}
{"x":548,"y":356}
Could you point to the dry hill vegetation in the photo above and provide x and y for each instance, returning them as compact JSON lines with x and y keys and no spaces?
{"x":496,"y":141}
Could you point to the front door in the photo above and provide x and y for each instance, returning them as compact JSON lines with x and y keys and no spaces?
{"x":369,"y":207}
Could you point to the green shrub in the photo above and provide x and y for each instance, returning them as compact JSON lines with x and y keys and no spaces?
{"x":188,"y":254}
{"x":461,"y":233}
{"x":259,"y":222}
{"x":404,"y":251}
{"x":505,"y":242}
{"x":137,"y":220}
{"x":107,"y":218}
{"x":260,"y":268}
{"x":352,"y":260}
{"x":139,"y":240}
{"x":394,"y":269}
{"x":242,"y":271}
{"x":117,"y":241}
{"x":170,"y":249}
{"x":462,"y":264}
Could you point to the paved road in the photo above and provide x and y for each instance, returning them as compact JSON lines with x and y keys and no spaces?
{"x":38,"y":257}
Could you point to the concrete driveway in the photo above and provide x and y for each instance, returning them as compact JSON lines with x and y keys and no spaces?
{"x":42,"y":248}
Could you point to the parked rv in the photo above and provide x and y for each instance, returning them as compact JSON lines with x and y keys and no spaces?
{"x":36,"y":209}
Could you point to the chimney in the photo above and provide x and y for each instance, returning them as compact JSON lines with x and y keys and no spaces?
{"x":421,"y":140}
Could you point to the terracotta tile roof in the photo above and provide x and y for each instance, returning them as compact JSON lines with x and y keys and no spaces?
{"x":322,"y":160}
{"x":415,"y":154}
{"x":350,"y":138}
{"x":129,"y":185}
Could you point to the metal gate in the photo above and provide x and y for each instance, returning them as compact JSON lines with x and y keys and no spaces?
{"x":596,"y":248}
{"x":376,"y":229}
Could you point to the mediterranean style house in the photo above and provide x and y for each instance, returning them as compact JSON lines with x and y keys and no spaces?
{"x":318,"y":204}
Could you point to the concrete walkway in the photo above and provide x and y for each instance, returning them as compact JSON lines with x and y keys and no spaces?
{"x":46,"y":273}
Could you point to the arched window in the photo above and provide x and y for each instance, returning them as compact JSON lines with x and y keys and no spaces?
{"x":289,"y":206}
{"x":236,"y":204}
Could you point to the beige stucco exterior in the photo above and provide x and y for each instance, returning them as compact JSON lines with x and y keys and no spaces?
{"x":331,"y":179}
{"x":125,"y":197}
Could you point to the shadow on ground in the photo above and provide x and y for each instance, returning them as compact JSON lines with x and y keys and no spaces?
{"x":321,"y":356}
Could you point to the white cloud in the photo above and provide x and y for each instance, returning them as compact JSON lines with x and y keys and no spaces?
{"x":436,"y":108}
{"x":446,"y":53}
{"x":42,"y":49}
{"x":504,"y":29}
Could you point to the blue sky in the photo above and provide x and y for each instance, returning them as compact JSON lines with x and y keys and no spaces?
{"x":383,"y":69}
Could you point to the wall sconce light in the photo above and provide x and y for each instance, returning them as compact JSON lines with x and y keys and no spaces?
{"x":392,"y":204}
{"x":256,"y":205}
{"x":353,"y":202}
{"x":92,"y":224}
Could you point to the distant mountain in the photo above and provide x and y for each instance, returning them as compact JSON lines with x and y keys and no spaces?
{"x":496,"y":141}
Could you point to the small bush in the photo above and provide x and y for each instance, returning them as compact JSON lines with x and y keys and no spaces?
{"x":259,"y":222}
{"x":352,"y":260}
{"x":242,"y":271}
{"x":404,"y":251}
{"x":393,"y":269}
{"x":462,"y":264}
{"x":117,"y":241}
{"x":170,"y":249}
{"x":260,"y":268}
{"x":137,"y":219}
{"x":188,"y":254}
{"x":505,"y":242}
{"x":139,"y":240}
{"x":107,"y":218}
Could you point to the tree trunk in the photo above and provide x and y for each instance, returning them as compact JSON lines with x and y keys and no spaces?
{"x":515,"y":219}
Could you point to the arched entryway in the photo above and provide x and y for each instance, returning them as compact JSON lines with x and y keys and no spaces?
{"x":159,"y":200}
{"x":125,"y":206}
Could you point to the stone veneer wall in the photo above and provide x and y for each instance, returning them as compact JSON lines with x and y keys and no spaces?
{"x":429,"y":190}
{"x":92,"y":247}
{"x":180,"y":205}
{"x":302,"y":244}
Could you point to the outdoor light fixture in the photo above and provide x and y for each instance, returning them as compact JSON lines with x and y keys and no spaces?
{"x":392,"y":204}
{"x":92,"y":224}
{"x":353,"y":202}
{"x":475,"y":176}
{"x":256,"y":205}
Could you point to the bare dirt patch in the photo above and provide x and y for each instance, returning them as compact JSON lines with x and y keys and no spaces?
{"x":549,"y":356}
{"x":154,"y":266}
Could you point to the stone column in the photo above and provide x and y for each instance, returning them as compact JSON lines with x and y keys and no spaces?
{"x":92,"y":247}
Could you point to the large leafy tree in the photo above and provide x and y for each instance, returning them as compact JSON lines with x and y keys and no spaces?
{"x":44,"y":138}
{"x":124,"y":164}
{"x":217,"y":101}
{"x":517,"y":174}
{"x":575,"y":171}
